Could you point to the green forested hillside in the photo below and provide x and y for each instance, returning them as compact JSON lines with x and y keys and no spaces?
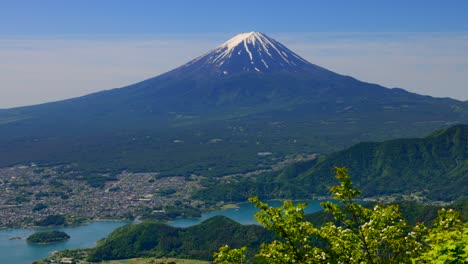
{"x":435,"y":166}
{"x":160,"y":240}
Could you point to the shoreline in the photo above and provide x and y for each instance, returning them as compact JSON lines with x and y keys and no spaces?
{"x":47,"y":243}
{"x":379,"y":199}
{"x":88,"y":221}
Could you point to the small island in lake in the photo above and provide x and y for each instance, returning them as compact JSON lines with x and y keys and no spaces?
{"x":48,"y":237}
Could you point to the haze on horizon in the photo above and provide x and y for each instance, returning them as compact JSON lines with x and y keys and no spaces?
{"x":58,"y":50}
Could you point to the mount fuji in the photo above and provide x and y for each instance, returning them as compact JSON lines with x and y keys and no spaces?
{"x":214,"y":114}
{"x":251,"y":52}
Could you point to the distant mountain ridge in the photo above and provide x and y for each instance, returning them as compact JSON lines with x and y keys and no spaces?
{"x":251,"y":92}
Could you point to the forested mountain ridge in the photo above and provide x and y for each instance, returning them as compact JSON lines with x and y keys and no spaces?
{"x":437,"y":164}
{"x":436,"y":167}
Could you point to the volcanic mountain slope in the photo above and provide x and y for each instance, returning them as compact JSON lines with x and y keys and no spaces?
{"x":214,"y":114}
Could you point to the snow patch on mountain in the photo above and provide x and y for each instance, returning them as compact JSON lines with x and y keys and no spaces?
{"x":252,"y":51}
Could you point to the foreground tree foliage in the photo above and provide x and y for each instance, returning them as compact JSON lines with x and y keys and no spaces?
{"x":359,"y":235}
{"x":448,"y":240}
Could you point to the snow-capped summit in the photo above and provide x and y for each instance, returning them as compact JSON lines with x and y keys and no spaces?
{"x":251,"y":52}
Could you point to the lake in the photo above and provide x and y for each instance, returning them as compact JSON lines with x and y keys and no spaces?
{"x":244,"y":214}
{"x":18,"y":251}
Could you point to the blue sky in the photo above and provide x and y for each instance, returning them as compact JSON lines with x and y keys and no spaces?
{"x":51,"y":50}
{"x":178,"y":16}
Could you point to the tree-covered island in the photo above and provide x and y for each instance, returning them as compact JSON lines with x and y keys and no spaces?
{"x":48,"y":237}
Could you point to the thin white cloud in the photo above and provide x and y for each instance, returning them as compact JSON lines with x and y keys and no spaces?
{"x":41,"y":70}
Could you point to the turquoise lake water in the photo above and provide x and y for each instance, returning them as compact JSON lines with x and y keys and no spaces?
{"x":244,"y":214}
{"x":18,"y":251}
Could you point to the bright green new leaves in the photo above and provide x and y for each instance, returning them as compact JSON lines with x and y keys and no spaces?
{"x":447,"y":241}
{"x":288,"y":223}
{"x":378,"y":235}
{"x":359,"y":235}
{"x":228,"y":255}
